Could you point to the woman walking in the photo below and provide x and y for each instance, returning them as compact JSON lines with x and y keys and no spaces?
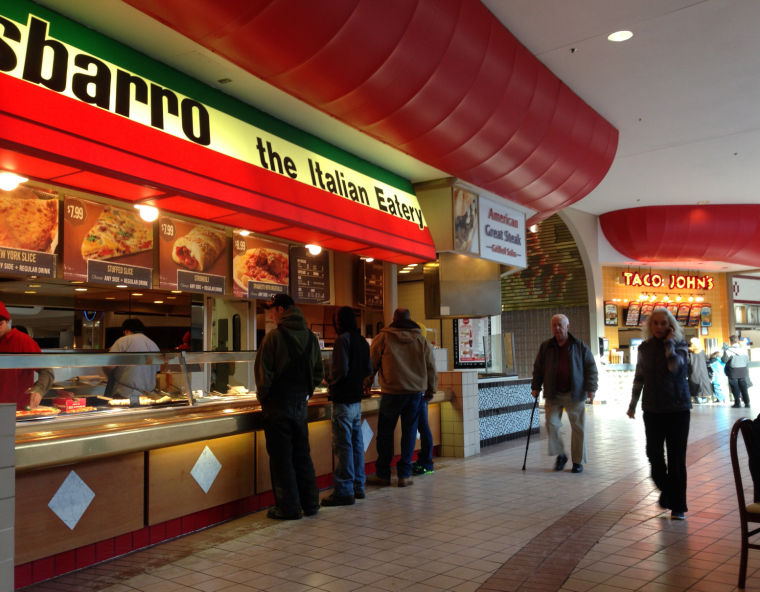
{"x":662,"y":373}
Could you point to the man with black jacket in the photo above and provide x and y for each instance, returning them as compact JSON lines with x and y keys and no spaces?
{"x":566,"y":370}
{"x":737,"y":371}
{"x":288,"y":368}
{"x":350,"y":366}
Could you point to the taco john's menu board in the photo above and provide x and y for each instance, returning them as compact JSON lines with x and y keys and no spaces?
{"x":106,"y":244}
{"x":260,"y":268}
{"x":310,"y":275}
{"x":29,"y":232}
{"x":192,"y":257}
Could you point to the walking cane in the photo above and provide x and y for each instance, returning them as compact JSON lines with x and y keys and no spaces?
{"x":530,"y":429}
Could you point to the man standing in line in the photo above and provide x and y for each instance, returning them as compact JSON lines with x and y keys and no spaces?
{"x":566,"y":370}
{"x":737,"y":371}
{"x":17,"y":385}
{"x":350,"y":366}
{"x":404,"y":360}
{"x":129,"y":382}
{"x":288,"y":368}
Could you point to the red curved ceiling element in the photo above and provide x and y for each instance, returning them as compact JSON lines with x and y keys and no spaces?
{"x":726,"y":232}
{"x":441,"y":80}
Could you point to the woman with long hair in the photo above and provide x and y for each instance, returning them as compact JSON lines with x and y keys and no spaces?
{"x":662,"y":373}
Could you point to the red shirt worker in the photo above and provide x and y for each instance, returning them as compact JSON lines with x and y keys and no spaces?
{"x":17,"y":385}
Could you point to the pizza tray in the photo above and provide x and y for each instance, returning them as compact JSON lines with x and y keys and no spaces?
{"x":37,"y":417}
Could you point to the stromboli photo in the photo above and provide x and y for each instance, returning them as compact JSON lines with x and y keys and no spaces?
{"x":199,"y":248}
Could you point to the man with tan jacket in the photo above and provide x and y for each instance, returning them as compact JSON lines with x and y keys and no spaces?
{"x":404,"y":360}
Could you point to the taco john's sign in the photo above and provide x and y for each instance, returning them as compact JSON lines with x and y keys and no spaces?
{"x":30,"y":53}
{"x":674,"y":282}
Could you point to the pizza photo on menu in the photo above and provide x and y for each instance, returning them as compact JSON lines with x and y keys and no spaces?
{"x":117,"y":232}
{"x":199,"y":248}
{"x":261,"y":265}
{"x":30,"y":222}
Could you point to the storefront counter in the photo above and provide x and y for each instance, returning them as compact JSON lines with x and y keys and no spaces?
{"x":504,"y":409}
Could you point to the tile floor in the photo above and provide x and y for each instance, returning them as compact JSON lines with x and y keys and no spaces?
{"x":479,"y":524}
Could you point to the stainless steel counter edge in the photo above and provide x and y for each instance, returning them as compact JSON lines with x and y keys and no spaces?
{"x":60,"y":451}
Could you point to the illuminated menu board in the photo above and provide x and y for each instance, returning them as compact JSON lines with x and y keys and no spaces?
{"x":310,"y":276}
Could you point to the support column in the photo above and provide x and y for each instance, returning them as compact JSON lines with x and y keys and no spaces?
{"x":7,"y":491}
{"x":460,"y":427}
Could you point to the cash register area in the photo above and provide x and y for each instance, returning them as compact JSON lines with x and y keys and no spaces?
{"x":479,"y":523}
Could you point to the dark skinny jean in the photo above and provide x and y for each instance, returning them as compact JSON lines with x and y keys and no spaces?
{"x":668,"y":431}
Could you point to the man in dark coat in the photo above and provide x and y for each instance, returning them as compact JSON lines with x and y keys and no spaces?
{"x":566,"y":370}
{"x":288,"y":368}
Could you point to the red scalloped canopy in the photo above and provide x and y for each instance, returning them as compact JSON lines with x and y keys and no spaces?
{"x":441,"y":80}
{"x":726,"y":232}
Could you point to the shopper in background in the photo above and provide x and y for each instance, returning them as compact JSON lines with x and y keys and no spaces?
{"x":566,"y":370}
{"x":662,"y":374}
{"x":129,"y":382}
{"x":17,"y":385}
{"x":718,"y":376}
{"x":700,"y":385}
{"x":350,"y":366}
{"x":737,"y":370}
{"x":288,"y":368}
{"x":403,"y":358}
{"x":424,"y":464}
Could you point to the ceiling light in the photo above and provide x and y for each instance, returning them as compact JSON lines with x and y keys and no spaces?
{"x":136,"y":293}
{"x":110,"y":297}
{"x":700,"y":299}
{"x":80,"y":289}
{"x":412,"y":265}
{"x":30,"y":291}
{"x":533,"y":228}
{"x":35,"y":285}
{"x":9,"y":181}
{"x":691,"y":298}
{"x":369,"y":259}
{"x":314,"y":249}
{"x":619,"y":36}
{"x":245,"y":232}
{"x":147,"y":213}
{"x":404,"y":271}
{"x":122,"y":286}
{"x":158,"y":302}
{"x":176,"y":291}
{"x":678,"y":299}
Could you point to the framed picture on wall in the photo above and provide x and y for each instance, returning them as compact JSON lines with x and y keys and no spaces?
{"x":610,"y":314}
{"x":472,"y":339}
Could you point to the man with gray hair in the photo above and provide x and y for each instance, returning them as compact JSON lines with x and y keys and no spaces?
{"x":566,"y":370}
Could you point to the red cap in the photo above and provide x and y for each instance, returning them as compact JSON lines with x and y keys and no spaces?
{"x":4,"y":312}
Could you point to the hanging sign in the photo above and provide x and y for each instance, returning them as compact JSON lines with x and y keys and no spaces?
{"x":106,"y":244}
{"x":260,"y":268}
{"x":502,"y":233}
{"x":193,"y":257}
{"x":29,"y":232}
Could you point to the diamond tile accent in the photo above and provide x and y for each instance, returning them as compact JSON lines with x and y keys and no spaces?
{"x":71,"y":500}
{"x":367,"y":434}
{"x":206,"y":469}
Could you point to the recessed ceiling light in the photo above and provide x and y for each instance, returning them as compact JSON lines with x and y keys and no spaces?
{"x":35,"y":285}
{"x":122,"y":286}
{"x":80,"y":289}
{"x":110,"y":297}
{"x":245,"y":232}
{"x":158,"y":302}
{"x":147,"y":213}
{"x":619,"y":36}
{"x":30,"y":291}
{"x":9,"y":181}
{"x":314,"y":249}
{"x":136,"y":293}
{"x":176,"y":291}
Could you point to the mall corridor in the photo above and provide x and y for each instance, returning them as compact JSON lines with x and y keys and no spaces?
{"x":479,"y":524}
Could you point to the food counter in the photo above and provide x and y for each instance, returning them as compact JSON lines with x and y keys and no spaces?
{"x":504,"y":409}
{"x":120,"y":478}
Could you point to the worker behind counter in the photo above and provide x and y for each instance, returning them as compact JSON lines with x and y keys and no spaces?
{"x":17,"y":385}
{"x":129,"y":382}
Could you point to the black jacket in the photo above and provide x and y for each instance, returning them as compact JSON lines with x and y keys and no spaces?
{"x":663,"y":378}
{"x":351,"y":364}
{"x":583,"y":373}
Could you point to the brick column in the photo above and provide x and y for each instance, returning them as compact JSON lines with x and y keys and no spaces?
{"x":460,"y":427}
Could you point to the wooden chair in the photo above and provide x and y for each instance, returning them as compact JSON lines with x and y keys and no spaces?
{"x":747,"y":513}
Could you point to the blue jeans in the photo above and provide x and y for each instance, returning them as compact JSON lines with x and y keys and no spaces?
{"x":425,"y":456}
{"x":391,"y":408}
{"x":348,"y":447}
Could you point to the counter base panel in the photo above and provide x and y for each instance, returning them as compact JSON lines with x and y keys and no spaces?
{"x":116,"y":507}
{"x":173,"y":491}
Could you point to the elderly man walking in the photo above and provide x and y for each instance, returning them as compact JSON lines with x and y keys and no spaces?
{"x":566,"y":370}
